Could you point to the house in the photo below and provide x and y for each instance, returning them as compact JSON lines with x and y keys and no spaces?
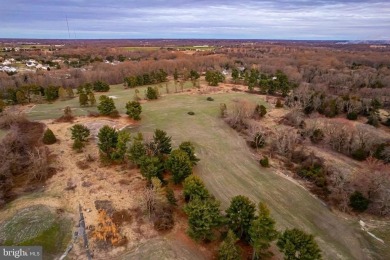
{"x":31,"y":63}
{"x":8,"y":69}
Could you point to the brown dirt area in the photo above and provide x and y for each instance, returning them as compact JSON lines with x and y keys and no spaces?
{"x":81,"y":181}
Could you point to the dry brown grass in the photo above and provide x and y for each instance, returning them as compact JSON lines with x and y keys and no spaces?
{"x":107,"y":231}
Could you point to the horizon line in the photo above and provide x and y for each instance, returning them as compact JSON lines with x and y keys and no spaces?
{"x":210,"y":39}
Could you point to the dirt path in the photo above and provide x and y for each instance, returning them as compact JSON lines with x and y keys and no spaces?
{"x":228,"y":169}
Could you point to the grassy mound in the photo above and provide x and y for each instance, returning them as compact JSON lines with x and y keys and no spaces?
{"x":36,"y":225}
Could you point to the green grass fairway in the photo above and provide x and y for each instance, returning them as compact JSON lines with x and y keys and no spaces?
{"x":56,"y":109}
{"x":228,"y":168}
{"x":194,"y":48}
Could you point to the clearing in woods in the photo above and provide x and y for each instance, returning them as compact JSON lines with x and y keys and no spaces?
{"x":229,"y":168}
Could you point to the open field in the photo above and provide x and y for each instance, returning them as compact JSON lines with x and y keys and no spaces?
{"x":181,"y":48}
{"x":194,"y":48}
{"x":140,"y":48}
{"x":118,"y":92}
{"x":229,"y":168}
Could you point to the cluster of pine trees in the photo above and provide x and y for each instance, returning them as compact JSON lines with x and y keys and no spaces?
{"x":240,"y":222}
{"x":154,"y":77}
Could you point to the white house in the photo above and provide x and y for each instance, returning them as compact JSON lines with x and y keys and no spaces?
{"x":31,"y":63}
{"x":8,"y":69}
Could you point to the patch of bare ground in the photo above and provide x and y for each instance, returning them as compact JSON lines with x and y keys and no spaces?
{"x":81,"y":179}
{"x":116,"y":189}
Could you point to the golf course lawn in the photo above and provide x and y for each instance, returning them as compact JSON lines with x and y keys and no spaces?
{"x":228,"y":167}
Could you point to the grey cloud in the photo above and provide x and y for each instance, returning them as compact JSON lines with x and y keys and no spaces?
{"x":281,"y":19}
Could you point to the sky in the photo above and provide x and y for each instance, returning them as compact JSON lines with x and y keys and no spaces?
{"x":211,"y":19}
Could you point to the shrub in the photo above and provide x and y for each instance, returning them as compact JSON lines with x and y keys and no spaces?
{"x":360,"y":154}
{"x":79,"y":132}
{"x":240,"y":215}
{"x":164,"y":219}
{"x":260,"y":111}
{"x":133,"y":110}
{"x":21,"y":97}
{"x":179,"y":164}
{"x":228,"y":248}
{"x":10,"y":118}
{"x":376,"y":104}
{"x":170,"y":195}
{"x":203,"y":218}
{"x":317,"y":136}
{"x":78,"y":145}
{"x":106,"y":105}
{"x":108,"y":139}
{"x":279,"y":103}
{"x":100,"y":86}
{"x":49,"y":137}
{"x":314,"y":173}
{"x":214,"y":77}
{"x":85,"y":88}
{"x":296,"y":244}
{"x":373,"y":120}
{"x":151,"y":93}
{"x":264,"y":162}
{"x":210,"y":99}
{"x":91,"y":99}
{"x":358,"y":202}
{"x":222,"y":110}
{"x":189,"y":148}
{"x":137,"y":150}
{"x":114,"y":114}
{"x":191,"y":113}
{"x":162,"y":142}
{"x":258,"y":141}
{"x":68,"y":113}
{"x":352,"y":116}
{"x":193,"y":187}
{"x":51,"y":93}
{"x":151,"y":166}
{"x":380,"y":152}
{"x":83,"y":99}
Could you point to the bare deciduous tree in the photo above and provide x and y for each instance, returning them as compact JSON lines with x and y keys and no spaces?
{"x":241,"y":111}
{"x":153,"y":197}
{"x":339,"y":187}
{"x":338,"y":135}
{"x":285,"y":142}
{"x":39,"y":163}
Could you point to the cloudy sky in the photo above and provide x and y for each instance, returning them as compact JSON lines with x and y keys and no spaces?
{"x":229,"y":19}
